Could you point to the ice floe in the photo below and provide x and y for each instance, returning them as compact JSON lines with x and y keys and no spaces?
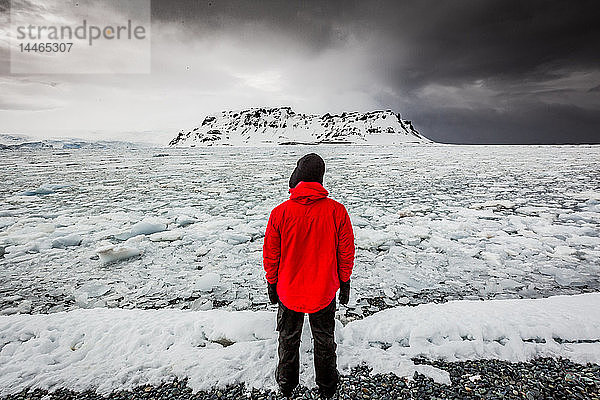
{"x":44,"y":189}
{"x":67,"y":241}
{"x":111,"y":253}
{"x":148,"y":226}
{"x":206,"y":282}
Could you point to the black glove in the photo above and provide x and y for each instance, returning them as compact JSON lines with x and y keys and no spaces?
{"x":272,"y":289}
{"x":344,"y":295}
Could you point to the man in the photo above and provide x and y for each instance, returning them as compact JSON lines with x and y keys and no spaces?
{"x":308,"y":254}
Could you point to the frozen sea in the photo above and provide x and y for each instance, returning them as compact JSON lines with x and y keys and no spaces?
{"x":183,"y":228}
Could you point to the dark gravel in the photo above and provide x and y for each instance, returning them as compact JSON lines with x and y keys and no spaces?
{"x":543,"y":378}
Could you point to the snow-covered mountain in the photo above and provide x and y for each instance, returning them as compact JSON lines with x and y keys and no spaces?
{"x":282,"y":125}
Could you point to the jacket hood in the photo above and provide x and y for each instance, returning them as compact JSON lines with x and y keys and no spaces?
{"x":308,"y":192}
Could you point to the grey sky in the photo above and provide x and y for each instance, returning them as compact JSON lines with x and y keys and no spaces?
{"x":463,"y":71}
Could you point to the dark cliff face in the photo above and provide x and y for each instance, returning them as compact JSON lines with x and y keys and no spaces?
{"x":282,"y":125}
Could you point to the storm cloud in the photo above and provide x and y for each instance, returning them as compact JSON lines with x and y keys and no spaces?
{"x":463,"y":71}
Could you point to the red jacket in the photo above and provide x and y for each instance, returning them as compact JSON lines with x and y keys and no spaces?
{"x":308,"y":248}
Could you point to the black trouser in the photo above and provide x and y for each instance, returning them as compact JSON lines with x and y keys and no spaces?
{"x":322,"y":324}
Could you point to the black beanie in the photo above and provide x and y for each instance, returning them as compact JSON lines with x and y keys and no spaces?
{"x":309,"y":168}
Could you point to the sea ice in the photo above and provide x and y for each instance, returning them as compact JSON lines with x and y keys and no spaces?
{"x":185,"y":220}
{"x":200,"y":210}
{"x":494,"y":204}
{"x":44,"y":189}
{"x":166,"y":236}
{"x":148,"y":226}
{"x":112,"y":253}
{"x":207,"y":282}
{"x":67,"y":241}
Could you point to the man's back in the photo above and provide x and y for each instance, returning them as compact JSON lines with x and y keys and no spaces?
{"x":309,"y":248}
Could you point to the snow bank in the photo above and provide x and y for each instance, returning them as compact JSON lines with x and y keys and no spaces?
{"x":512,"y":330}
{"x":110,"y":349}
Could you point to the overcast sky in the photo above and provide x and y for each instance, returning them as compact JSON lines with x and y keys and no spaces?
{"x":463,"y":71}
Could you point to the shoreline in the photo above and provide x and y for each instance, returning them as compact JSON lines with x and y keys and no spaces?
{"x":546,"y":378}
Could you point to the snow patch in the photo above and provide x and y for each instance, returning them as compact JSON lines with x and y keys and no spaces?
{"x":113,"y":349}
